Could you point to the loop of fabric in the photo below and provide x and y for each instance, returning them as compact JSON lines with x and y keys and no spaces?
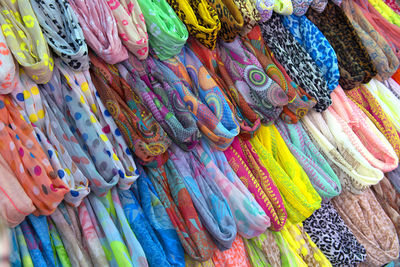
{"x":8,"y":69}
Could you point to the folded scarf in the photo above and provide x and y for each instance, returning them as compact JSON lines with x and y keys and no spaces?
{"x":382,"y":56}
{"x":230,"y":17}
{"x":393,"y":86}
{"x":14,"y":257}
{"x":333,"y":237}
{"x":250,"y":218}
{"x":299,"y":101}
{"x":235,"y":256}
{"x":389,"y":14}
{"x":355,"y":64}
{"x":100,"y":29}
{"x":263,"y":250}
{"x":203,"y":97}
{"x":59,"y":247}
{"x":283,"y":7}
{"x":36,"y":252}
{"x":160,"y":96}
{"x":8,"y":69}
{"x":370,"y":225}
{"x":248,"y":167}
{"x":211,"y":205}
{"x":25,"y":39}
{"x":189,"y":262}
{"x":299,"y":196}
{"x":321,"y":175}
{"x":265,"y":8}
{"x":141,"y":132}
{"x":297,"y":62}
{"x":247,"y":118}
{"x":250,"y":14}
{"x":300,"y":7}
{"x":320,"y":5}
{"x":201,"y":20}
{"x":316,"y":45}
{"x":131,"y":26}
{"x":359,"y":129}
{"x":261,"y":92}
{"x":62,"y":32}
{"x":353,"y":170}
{"x":23,"y":247}
{"x":393,"y":5}
{"x":176,"y":200}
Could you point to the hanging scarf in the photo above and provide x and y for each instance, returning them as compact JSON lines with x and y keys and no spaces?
{"x":333,"y":237}
{"x":370,"y":225}
{"x":8,"y":69}
{"x":291,"y":55}
{"x":25,"y":39}
{"x":230,"y":17}
{"x":213,"y":113}
{"x":321,"y":175}
{"x":131,"y":26}
{"x":235,"y":256}
{"x":176,"y":200}
{"x":161,"y":98}
{"x":299,"y":101}
{"x":14,"y":256}
{"x":263,"y":250}
{"x":288,"y":256}
{"x":211,"y":205}
{"x":316,"y":45}
{"x":248,"y":167}
{"x":353,"y":170}
{"x":189,"y":262}
{"x":265,"y":8}
{"x":382,"y":56}
{"x":142,"y":134}
{"x":100,"y":29}
{"x":23,"y":247}
{"x":58,"y":244}
{"x":389,"y":14}
{"x":35,"y":251}
{"x":299,"y":196}
{"x":283,"y":7}
{"x":320,"y":5}
{"x":62,"y":32}
{"x":355,"y":64}
{"x":201,"y":20}
{"x":300,"y":7}
{"x":250,"y":14}
{"x":393,"y":5}
{"x":247,"y":118}
{"x":393,"y":86}
{"x":262,"y":93}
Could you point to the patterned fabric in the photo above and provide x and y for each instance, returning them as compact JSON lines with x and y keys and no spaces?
{"x":250,"y":14}
{"x":26,"y":40}
{"x":308,"y":35}
{"x":23,"y":248}
{"x":283,"y":7}
{"x":320,"y":5}
{"x":393,"y":5}
{"x":355,"y":64}
{"x":62,"y":32}
{"x":265,"y":8}
{"x":235,"y":256}
{"x":263,"y":250}
{"x":296,"y":61}
{"x":389,"y":14}
{"x":370,"y":225}
{"x":300,"y":7}
{"x":100,"y":29}
{"x":8,"y":69}
{"x":141,"y":132}
{"x":332,"y":236}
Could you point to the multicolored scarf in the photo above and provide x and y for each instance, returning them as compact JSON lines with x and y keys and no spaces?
{"x":8,"y":70}
{"x":235,"y":256}
{"x":265,"y":8}
{"x":283,"y":7}
{"x":300,"y":7}
{"x":263,"y":250}
{"x":250,"y":14}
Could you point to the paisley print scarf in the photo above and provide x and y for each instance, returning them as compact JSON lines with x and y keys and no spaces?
{"x":25,"y":39}
{"x":296,"y":61}
{"x":250,"y":14}
{"x":100,"y":29}
{"x":321,"y":175}
{"x":300,"y":7}
{"x":265,"y":8}
{"x":8,"y":70}
{"x":131,"y":26}
{"x":62,"y":31}
{"x":355,"y":64}
{"x":308,"y":35}
{"x":141,"y":132}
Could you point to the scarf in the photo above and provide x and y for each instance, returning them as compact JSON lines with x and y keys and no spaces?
{"x":291,"y":55}
{"x":262,"y":93}
{"x":8,"y":69}
{"x":370,"y":225}
{"x":230,"y":17}
{"x":131,"y":26}
{"x":99,"y":29}
{"x":389,"y":14}
{"x":393,"y":5}
{"x":13,"y":257}
{"x":299,"y":196}
{"x":393,"y":86}
{"x":140,"y":131}
{"x":159,"y":220}
{"x":265,"y":8}
{"x":247,"y":118}
{"x":288,"y":256}
{"x":25,"y":39}
{"x":300,"y":7}
{"x":263,"y":250}
{"x":235,"y":256}
{"x":353,"y":170}
{"x":320,"y":5}
{"x":205,"y":99}
{"x":355,"y":64}
{"x":189,"y":262}
{"x":308,"y":36}
{"x":62,"y":254}
{"x":162,"y":99}
{"x":283,"y":7}
{"x":62,"y":32}
{"x":248,"y":167}
{"x":250,"y":14}
{"x":35,"y":251}
{"x":299,"y":101}
{"x":167,"y":33}
{"x":321,"y":175}
{"x":250,"y":218}
{"x":23,"y":247}
{"x":176,"y":199}
{"x":333,"y":237}
{"x":382,"y":56}
{"x":201,"y":20}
